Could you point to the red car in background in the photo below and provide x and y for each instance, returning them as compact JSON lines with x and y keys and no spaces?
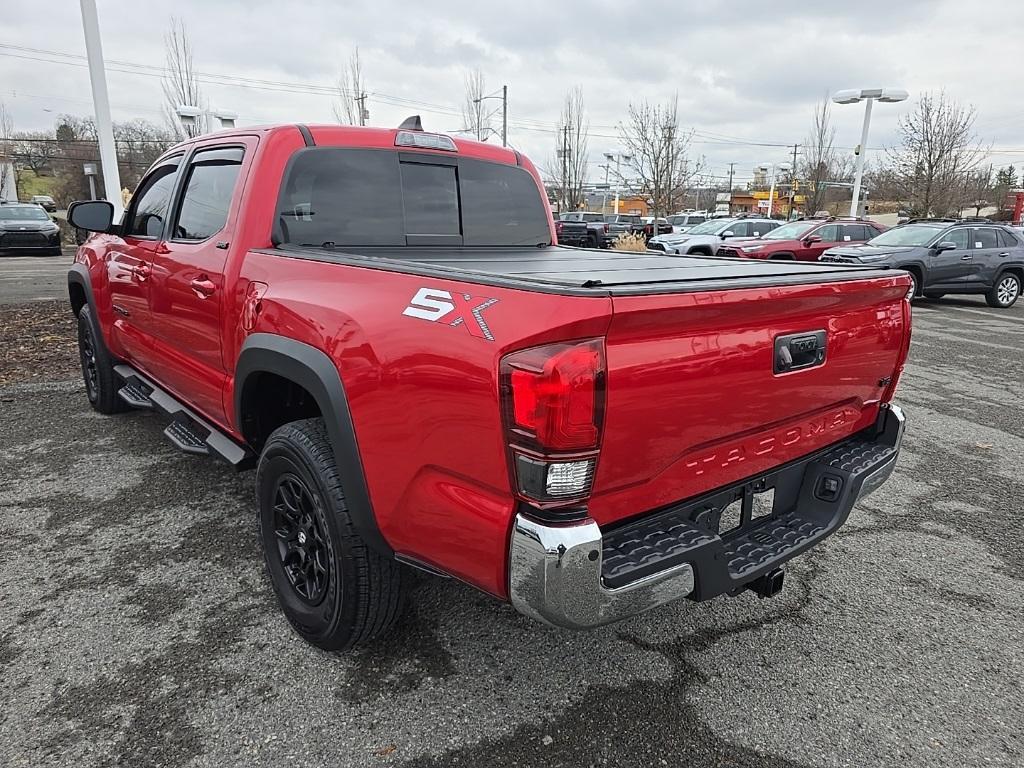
{"x":803,"y":239}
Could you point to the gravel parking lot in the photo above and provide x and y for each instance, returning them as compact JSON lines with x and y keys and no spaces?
{"x":138,"y":628}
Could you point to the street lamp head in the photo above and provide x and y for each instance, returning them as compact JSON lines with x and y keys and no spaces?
{"x":852,"y":95}
{"x":227,"y":119}
{"x":847,"y":96}
{"x":609,"y":156}
{"x":892,"y":95}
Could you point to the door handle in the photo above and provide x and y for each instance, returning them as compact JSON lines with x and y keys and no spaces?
{"x":203,"y":287}
{"x":1004,"y":255}
{"x":966,"y":258}
{"x":142,"y":271}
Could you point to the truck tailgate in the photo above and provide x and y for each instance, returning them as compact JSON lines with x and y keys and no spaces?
{"x":694,"y":400}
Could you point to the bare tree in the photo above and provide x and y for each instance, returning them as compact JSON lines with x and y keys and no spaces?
{"x":660,"y":152}
{"x":938,"y":151}
{"x":350,"y":104}
{"x":6,"y":151}
{"x":568,"y":165}
{"x":820,"y":163}
{"x":475,"y":115}
{"x":180,"y":84}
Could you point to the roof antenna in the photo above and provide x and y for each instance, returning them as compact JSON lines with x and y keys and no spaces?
{"x":411,"y":123}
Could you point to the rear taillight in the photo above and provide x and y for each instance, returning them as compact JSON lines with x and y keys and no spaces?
{"x":605,"y":227}
{"x":553,"y":402}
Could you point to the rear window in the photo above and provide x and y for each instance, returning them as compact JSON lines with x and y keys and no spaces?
{"x":378,"y":197}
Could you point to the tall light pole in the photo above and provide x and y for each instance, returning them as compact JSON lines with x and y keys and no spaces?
{"x":618,"y":157}
{"x":771,"y":191}
{"x":101,"y":106}
{"x":869,"y":95}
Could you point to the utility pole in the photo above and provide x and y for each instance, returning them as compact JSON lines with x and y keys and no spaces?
{"x":101,"y":106}
{"x":732,"y":166}
{"x":792,"y":183}
{"x":504,"y":115}
{"x":361,"y":100}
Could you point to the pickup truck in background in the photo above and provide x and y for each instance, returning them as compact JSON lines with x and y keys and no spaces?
{"x":378,"y":322}
{"x":598,"y":235}
{"x":571,"y":232}
{"x":622,"y":224}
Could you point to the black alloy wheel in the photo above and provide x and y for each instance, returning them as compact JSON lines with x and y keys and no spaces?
{"x":301,"y":544}
{"x":87,"y":354}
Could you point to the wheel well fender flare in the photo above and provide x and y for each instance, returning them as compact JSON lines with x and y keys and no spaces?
{"x":315,"y":372}
{"x":78,"y":275}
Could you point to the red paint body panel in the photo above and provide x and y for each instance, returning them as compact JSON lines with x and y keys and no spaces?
{"x":691,"y":401}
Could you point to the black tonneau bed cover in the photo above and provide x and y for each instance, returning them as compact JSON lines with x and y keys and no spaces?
{"x":579,"y":271}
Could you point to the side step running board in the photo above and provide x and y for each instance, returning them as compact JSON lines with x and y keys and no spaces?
{"x":189,"y":431}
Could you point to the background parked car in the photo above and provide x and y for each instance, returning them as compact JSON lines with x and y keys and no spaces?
{"x":25,"y":228}
{"x":571,"y":232}
{"x":649,"y":227}
{"x":48,"y":204}
{"x":707,"y":238}
{"x":597,"y":227}
{"x":804,"y":239}
{"x":681,"y":222}
{"x":948,"y":256}
{"x":621,"y":223}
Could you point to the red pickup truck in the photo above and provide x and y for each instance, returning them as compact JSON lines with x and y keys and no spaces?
{"x":377,"y":320}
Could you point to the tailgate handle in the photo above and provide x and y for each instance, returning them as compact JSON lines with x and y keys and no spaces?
{"x":799,"y":350}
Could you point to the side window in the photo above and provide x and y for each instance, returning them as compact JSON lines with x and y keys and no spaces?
{"x":853,"y":233}
{"x":209,"y":188}
{"x":758,"y":228}
{"x":1007,"y":240}
{"x":829,"y":233}
{"x":985,"y":237}
{"x":871,"y":232}
{"x":958,"y":236}
{"x":150,"y":202}
{"x":740,"y":228}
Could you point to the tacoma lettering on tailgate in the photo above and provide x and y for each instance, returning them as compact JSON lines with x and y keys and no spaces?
{"x":762,"y":445}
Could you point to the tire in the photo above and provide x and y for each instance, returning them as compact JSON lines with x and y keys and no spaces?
{"x":334,"y":590}
{"x":1005,"y":292}
{"x":915,"y":286}
{"x":592,"y":242}
{"x":101,"y":383}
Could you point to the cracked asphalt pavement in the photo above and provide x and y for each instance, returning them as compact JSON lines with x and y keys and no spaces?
{"x":138,"y":628}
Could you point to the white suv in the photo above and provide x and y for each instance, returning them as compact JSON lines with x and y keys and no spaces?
{"x":705,"y":238}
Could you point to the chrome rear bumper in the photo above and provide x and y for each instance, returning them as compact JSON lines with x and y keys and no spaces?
{"x":557,"y":572}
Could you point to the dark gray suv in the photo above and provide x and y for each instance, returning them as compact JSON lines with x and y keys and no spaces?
{"x":948,"y":256}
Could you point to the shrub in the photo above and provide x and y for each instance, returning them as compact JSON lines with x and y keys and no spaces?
{"x":628,"y":241}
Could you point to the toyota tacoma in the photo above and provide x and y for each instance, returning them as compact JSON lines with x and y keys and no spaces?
{"x":379,"y":322}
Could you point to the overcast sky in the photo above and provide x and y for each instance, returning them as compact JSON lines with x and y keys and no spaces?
{"x":747,"y":73}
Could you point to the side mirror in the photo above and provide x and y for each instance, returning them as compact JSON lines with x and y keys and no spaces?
{"x":811,"y":239}
{"x":92,"y":215}
{"x":727,"y":233}
{"x":945,"y":245}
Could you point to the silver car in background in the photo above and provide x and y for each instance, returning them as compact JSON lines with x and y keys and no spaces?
{"x":704,"y":239}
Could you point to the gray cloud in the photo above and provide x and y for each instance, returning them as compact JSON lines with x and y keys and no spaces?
{"x":745,"y":70}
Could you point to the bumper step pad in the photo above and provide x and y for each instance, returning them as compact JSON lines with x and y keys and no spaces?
{"x":813,"y":497}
